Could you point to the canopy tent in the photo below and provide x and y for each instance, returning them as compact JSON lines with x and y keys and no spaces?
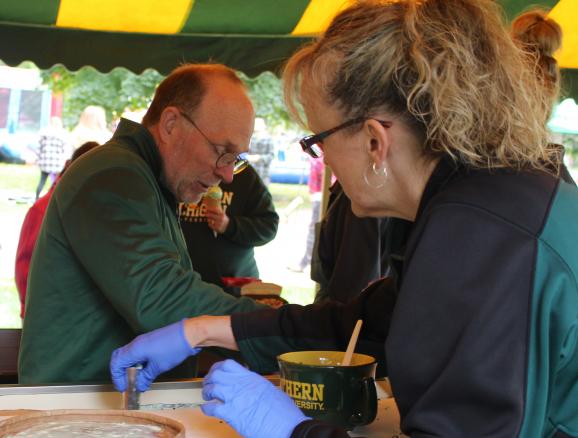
{"x":248,"y":35}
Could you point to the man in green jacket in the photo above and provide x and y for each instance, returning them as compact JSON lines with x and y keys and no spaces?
{"x":110,"y":261}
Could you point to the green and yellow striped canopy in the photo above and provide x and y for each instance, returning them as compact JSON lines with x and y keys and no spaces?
{"x":249,"y":35}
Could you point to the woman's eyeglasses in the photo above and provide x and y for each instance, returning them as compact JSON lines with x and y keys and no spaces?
{"x":311,"y":144}
{"x":224,"y":159}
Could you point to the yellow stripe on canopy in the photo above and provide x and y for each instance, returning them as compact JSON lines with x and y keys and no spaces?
{"x":125,"y":15}
{"x":565,"y":13}
{"x":318,"y":15}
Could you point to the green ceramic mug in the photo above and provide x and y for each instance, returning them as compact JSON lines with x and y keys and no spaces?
{"x":325,"y":390}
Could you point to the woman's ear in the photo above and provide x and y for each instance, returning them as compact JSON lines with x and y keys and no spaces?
{"x":167,"y":122}
{"x":379,"y":141}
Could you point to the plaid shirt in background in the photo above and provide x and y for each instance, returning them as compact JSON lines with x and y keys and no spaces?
{"x":53,"y":153}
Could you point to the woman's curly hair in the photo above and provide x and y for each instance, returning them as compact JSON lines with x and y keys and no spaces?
{"x":449,"y":69}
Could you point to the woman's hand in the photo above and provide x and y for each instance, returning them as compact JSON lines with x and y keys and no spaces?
{"x":158,"y":351}
{"x":249,"y":402}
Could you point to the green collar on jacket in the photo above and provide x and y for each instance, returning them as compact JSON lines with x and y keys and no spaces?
{"x":138,"y":139}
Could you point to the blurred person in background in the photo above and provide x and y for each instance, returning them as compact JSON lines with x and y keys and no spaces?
{"x":246,"y":219}
{"x":426,"y":111}
{"x":540,"y":37}
{"x":91,"y":126}
{"x":54,"y":150}
{"x":31,"y":228}
{"x":261,"y":150}
{"x":315,"y":185}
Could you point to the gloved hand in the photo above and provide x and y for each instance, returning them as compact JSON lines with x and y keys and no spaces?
{"x":249,"y":402}
{"x":158,"y":351}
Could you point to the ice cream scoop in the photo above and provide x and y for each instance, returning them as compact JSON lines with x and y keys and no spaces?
{"x":213,"y":199}
{"x":214,"y":195}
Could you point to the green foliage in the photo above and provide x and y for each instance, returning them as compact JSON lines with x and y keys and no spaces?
{"x":19,"y":178}
{"x":266,"y":92}
{"x":18,"y":183}
{"x":283,"y":194}
{"x":9,"y":304}
{"x":298,"y":294}
{"x":116,"y":91}
{"x":121,"y":90}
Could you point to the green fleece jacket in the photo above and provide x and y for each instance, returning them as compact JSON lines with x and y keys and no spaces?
{"x":110,"y":263}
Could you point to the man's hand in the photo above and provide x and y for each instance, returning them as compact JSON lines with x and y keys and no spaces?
{"x":217,"y":219}
{"x":158,"y":351}
{"x":249,"y":402}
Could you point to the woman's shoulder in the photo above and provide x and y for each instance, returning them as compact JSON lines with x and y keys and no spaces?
{"x":521,"y":198}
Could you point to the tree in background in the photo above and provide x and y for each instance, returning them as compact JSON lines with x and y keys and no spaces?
{"x":266,"y":91}
{"x":117,"y":91}
{"x":121,"y":90}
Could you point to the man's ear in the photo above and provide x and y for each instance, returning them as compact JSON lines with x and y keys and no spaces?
{"x":167,"y":123}
{"x":378,"y":141}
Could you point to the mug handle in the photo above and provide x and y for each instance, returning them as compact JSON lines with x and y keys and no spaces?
{"x":369,"y":409}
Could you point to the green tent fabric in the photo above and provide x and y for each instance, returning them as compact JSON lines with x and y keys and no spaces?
{"x":47,"y":46}
{"x":249,"y":35}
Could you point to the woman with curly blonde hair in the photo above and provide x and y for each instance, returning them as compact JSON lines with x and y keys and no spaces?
{"x":428,"y":111}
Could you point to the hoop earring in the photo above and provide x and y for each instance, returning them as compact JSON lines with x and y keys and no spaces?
{"x":380,"y":175}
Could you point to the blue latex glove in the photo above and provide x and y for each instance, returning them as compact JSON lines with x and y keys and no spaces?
{"x":158,"y":351}
{"x":249,"y":402}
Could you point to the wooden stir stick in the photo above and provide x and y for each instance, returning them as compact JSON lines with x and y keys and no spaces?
{"x":352,"y":342}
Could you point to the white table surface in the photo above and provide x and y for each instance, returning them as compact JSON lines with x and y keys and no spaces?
{"x":197,"y":424}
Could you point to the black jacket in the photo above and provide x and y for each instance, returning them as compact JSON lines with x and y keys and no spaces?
{"x":480,"y":331}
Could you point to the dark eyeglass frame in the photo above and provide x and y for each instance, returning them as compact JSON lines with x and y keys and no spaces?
{"x":224,"y":159}
{"x":310,"y":143}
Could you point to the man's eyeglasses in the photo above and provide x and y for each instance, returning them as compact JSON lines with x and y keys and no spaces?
{"x":311,"y":144}
{"x":224,"y":159}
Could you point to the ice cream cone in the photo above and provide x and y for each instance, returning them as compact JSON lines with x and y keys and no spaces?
{"x":212,"y":202}
{"x":212,"y":199}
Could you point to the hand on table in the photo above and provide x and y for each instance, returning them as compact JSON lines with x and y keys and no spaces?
{"x":158,"y":351}
{"x":217,"y":219}
{"x":249,"y":402}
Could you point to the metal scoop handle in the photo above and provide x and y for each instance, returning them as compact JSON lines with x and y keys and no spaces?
{"x":130,"y":398}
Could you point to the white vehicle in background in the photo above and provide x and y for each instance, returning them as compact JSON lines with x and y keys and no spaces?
{"x":290,"y":165}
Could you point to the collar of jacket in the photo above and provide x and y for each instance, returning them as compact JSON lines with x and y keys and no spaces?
{"x":139,"y":140}
{"x":445,"y":171}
